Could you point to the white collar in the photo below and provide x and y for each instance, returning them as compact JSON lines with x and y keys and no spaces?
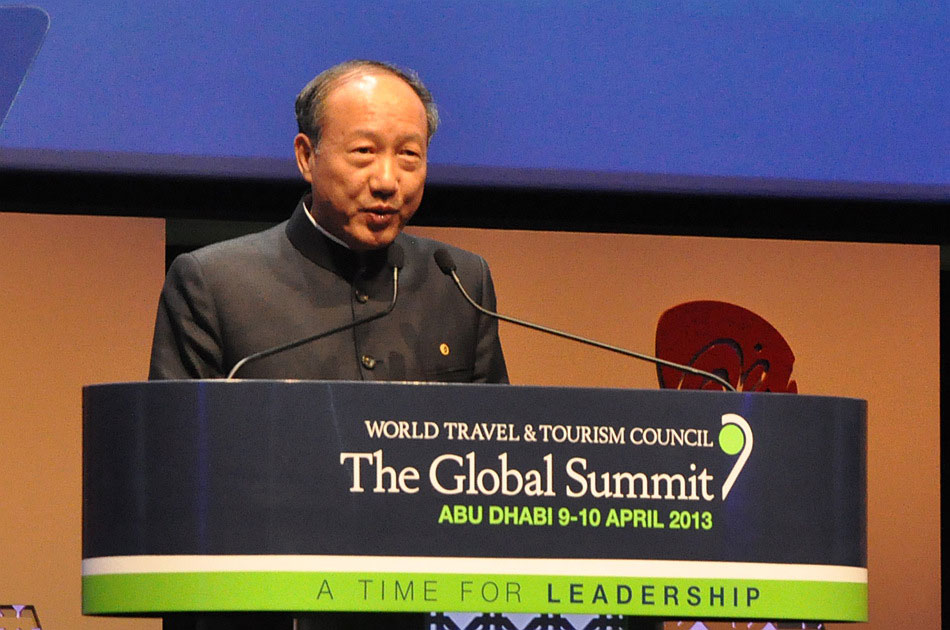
{"x":321,"y":228}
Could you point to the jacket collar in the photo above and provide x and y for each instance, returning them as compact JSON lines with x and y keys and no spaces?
{"x":320,"y":250}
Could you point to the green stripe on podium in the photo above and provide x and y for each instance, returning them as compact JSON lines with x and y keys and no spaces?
{"x":156,"y":593}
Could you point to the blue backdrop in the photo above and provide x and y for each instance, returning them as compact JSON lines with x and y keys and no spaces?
{"x":812,"y":95}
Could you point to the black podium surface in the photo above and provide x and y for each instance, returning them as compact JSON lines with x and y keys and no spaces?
{"x":345,"y":496}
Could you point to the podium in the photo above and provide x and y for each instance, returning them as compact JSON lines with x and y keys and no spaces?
{"x":317,"y":496}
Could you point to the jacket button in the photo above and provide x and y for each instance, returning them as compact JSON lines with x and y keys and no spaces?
{"x":368,"y":362}
{"x":361,"y":297}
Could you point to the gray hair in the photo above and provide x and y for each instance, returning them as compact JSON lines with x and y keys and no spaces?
{"x":312,"y":100}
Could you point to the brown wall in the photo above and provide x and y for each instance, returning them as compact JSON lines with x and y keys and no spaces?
{"x":77,"y":305}
{"x":862,"y":320}
{"x":78,"y":298}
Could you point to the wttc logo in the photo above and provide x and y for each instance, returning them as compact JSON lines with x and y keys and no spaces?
{"x":735,"y":436}
{"x":17,"y":617}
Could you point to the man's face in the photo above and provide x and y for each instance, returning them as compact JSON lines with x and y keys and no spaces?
{"x":368,"y":171}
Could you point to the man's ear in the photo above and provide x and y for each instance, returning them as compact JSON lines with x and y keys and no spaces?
{"x":303,"y":151}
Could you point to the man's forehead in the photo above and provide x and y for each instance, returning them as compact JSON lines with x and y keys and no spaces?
{"x":365,"y":94}
{"x":367,"y":80}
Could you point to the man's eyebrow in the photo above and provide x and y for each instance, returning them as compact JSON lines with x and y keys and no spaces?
{"x":374,"y":135}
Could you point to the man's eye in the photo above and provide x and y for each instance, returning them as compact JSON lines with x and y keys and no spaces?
{"x":363,"y":150}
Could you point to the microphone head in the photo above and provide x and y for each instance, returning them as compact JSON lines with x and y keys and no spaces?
{"x":444,"y":260}
{"x":395,"y":256}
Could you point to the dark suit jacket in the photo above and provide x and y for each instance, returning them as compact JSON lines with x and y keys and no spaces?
{"x":228,"y":300}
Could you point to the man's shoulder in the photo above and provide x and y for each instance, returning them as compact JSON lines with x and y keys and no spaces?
{"x":256,"y":245}
{"x":231,"y":262}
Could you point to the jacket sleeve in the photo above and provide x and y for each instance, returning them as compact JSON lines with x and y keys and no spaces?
{"x":187,"y":340}
{"x":489,"y":360}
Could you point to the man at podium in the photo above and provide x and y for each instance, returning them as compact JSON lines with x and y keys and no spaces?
{"x":338,"y":262}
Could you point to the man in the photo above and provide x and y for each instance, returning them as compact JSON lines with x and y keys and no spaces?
{"x":364,"y":135}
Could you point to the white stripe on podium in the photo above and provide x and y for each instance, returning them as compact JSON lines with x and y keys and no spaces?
{"x":112,"y":565}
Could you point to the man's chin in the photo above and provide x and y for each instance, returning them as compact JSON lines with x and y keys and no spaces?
{"x":370,"y":240}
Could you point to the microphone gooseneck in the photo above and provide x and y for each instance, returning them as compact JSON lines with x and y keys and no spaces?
{"x":395,"y":258}
{"x":445,"y":262}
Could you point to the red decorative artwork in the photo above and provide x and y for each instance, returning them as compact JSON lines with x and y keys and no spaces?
{"x":727,"y":340}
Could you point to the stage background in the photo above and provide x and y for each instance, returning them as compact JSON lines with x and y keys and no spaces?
{"x":800,"y":98}
{"x":79,"y":296}
{"x":78,"y":306}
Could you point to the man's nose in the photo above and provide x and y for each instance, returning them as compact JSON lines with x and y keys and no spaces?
{"x":384,"y":180}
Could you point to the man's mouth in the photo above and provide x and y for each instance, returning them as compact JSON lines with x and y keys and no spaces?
{"x":381,"y":210}
{"x":380,"y":216}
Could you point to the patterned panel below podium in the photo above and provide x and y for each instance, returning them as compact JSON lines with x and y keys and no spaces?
{"x":496,"y":621}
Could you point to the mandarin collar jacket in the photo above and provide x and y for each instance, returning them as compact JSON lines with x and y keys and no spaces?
{"x":231,"y":299}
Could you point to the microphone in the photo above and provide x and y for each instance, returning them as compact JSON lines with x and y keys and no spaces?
{"x":395,"y":258}
{"x":444,"y":260}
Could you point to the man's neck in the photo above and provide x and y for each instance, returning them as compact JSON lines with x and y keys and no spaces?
{"x":322,"y":229}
